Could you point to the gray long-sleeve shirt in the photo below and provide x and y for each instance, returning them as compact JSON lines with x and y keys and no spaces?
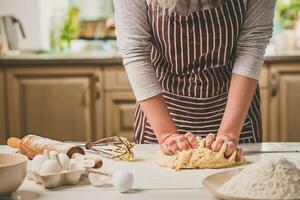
{"x":134,"y":40}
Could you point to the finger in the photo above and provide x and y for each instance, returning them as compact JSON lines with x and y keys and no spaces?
{"x":230,"y":148}
{"x":173,"y":146}
{"x":183,"y":143}
{"x":239,"y":154}
{"x":166,"y":146}
{"x":192,"y":139}
{"x":165,"y":149}
{"x":217,"y":144}
{"x":210,"y":138}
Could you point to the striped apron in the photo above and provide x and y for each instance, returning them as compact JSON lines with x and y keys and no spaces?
{"x":193,"y":57}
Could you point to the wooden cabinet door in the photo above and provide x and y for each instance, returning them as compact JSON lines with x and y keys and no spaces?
{"x":62,"y":103}
{"x":3,"y":130}
{"x":264,"y":104}
{"x":264,"y":107}
{"x":120,"y":107}
{"x":285,"y":103}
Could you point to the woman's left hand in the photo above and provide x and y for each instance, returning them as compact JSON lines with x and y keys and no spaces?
{"x":215,"y":143}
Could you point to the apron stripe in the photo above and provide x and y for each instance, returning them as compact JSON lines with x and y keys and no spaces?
{"x":232,"y":28}
{"x":226,"y":36}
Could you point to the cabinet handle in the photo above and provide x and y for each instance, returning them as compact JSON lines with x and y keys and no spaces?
{"x":274,"y":91}
{"x":98,"y":91}
{"x":274,"y":85}
{"x":87,"y":91}
{"x":97,"y":88}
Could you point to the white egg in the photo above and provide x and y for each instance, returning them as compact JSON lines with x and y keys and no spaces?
{"x":88,"y":163}
{"x":75,"y":155}
{"x":49,"y":167}
{"x":79,"y":159}
{"x":64,"y":161}
{"x":73,"y":165}
{"x":123,"y":181}
{"x":37,"y":161}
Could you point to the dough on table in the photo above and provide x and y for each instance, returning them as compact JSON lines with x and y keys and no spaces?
{"x":199,"y":158}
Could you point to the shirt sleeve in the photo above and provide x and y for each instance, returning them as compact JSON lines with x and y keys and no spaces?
{"x":255,"y":35}
{"x":134,"y":41}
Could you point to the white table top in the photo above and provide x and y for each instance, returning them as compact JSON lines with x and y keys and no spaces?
{"x":151,"y":181}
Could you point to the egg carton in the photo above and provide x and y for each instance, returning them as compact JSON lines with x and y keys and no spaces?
{"x":58,"y":169}
{"x":54,"y":180}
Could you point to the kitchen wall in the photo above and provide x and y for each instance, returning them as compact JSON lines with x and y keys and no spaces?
{"x":93,"y":9}
{"x":286,"y":35}
{"x":35,"y":16}
{"x":37,"y":19}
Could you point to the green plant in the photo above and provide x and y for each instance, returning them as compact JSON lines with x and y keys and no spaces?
{"x":287,"y":12}
{"x":71,"y":26}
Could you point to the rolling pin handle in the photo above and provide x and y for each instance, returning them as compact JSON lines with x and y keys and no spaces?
{"x":14,"y":142}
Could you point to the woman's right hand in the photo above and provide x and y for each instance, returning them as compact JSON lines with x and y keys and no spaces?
{"x":215,"y":143}
{"x":174,"y":143}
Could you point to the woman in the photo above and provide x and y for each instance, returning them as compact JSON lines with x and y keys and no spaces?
{"x":194,"y":67}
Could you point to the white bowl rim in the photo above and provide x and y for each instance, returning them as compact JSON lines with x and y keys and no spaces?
{"x":22,"y":160}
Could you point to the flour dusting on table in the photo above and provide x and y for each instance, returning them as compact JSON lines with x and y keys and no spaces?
{"x":266,"y":179}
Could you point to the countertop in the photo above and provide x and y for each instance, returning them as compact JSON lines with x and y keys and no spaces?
{"x":107,"y":58}
{"x":74,"y":58}
{"x":283,"y":57}
{"x":151,"y":181}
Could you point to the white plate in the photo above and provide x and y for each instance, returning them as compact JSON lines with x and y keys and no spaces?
{"x":213,"y":182}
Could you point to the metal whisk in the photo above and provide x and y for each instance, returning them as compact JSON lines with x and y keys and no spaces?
{"x":112,"y":147}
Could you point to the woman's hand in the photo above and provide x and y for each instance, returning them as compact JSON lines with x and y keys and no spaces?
{"x":215,"y":143}
{"x":176,"y":142}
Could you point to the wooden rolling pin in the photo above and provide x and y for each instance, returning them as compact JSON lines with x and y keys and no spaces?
{"x":32,"y":145}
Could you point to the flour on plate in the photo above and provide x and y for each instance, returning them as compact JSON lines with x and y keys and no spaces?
{"x":266,"y":179}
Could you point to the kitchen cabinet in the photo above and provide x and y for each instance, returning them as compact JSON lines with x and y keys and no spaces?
{"x":119,"y":103}
{"x":64,"y":103}
{"x":3,"y":130}
{"x":284,"y":102}
{"x":120,"y":107}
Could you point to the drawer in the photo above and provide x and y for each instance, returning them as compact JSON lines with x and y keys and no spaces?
{"x":119,"y":108}
{"x":115,"y":78}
